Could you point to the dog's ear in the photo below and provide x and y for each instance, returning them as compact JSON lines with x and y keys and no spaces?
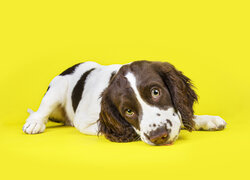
{"x":181,"y":90}
{"x":112,"y":124}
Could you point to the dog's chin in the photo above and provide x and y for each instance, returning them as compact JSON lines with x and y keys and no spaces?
{"x":169,"y":143}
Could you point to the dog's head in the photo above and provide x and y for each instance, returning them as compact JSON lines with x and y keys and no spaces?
{"x":147,"y":100}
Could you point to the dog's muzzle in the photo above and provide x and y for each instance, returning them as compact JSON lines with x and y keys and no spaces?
{"x":159,"y":136}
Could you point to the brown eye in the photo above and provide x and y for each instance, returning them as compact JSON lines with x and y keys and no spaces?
{"x":129,"y":112}
{"x":155,"y":93}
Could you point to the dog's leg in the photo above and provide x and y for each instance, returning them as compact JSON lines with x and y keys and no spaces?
{"x":86,"y":123}
{"x":209,"y":123}
{"x":54,"y":97}
{"x":86,"y":117}
{"x":92,"y":129}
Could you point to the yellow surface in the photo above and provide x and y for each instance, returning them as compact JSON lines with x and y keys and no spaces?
{"x":208,"y":41}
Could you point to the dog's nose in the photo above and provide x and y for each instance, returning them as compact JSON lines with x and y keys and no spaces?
{"x":160,"y":135}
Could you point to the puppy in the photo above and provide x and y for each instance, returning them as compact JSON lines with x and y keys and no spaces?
{"x":144,"y":100}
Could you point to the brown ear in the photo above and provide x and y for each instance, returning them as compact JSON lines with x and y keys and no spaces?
{"x":182,"y":94}
{"x":112,"y":124}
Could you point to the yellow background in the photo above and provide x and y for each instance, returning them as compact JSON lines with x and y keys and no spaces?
{"x":207,"y":40}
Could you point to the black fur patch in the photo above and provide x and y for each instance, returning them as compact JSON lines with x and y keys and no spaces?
{"x":70,"y":70}
{"x":78,"y":89}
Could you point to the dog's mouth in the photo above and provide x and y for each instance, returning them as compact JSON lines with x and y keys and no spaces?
{"x":160,"y":137}
{"x":168,"y":143}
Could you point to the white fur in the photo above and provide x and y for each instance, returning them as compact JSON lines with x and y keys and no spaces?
{"x":149,"y":116}
{"x":206,"y":122}
{"x":59,"y":94}
{"x":53,"y":98}
{"x":87,"y":113}
{"x":89,"y":107}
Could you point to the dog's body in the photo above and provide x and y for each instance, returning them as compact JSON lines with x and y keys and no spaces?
{"x":117,"y":101}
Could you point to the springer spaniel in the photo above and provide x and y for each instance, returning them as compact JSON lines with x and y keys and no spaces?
{"x":144,"y":100}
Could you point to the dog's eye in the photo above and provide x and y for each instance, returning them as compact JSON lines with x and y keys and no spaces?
{"x":129,"y":112}
{"x":155,"y":93}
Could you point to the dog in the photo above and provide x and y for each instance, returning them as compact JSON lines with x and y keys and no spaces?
{"x":142,"y":100}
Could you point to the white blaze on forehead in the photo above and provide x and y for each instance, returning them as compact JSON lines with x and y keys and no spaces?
{"x":149,"y":114}
{"x":145,"y":107}
{"x":148,"y":111}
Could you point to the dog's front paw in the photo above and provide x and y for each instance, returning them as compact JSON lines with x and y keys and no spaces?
{"x":33,"y":127}
{"x":209,"y":123}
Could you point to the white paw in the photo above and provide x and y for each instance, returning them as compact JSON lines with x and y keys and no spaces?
{"x":209,"y":123}
{"x":33,"y":127}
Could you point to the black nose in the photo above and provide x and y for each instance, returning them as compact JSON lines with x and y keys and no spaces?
{"x":160,"y":135}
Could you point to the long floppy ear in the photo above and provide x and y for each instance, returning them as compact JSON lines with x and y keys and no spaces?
{"x":112,"y":124}
{"x":182,"y":94}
